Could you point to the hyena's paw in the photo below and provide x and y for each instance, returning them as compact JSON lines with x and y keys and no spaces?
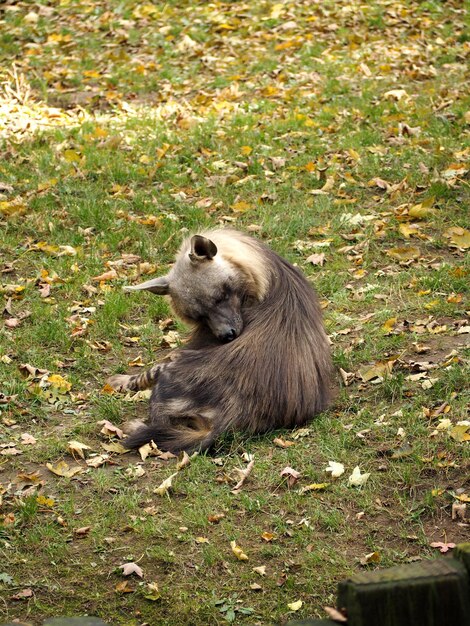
{"x":119,"y":382}
{"x":130,"y":427}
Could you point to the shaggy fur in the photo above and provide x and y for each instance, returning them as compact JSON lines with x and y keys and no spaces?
{"x":258,"y":358}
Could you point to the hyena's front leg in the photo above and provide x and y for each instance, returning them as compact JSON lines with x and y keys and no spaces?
{"x":146,"y":380}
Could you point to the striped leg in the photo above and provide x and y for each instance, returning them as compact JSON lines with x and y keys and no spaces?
{"x":146,"y":380}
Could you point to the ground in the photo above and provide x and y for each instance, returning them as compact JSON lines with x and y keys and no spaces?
{"x":336,"y":133}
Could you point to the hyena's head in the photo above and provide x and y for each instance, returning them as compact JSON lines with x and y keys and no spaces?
{"x":204,"y":287}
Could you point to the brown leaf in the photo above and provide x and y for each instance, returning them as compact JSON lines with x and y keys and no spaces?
{"x":111,"y":275}
{"x":216,"y":518}
{"x":110,"y":430}
{"x":281,"y":443}
{"x":23,"y":594}
{"x":292,"y":475}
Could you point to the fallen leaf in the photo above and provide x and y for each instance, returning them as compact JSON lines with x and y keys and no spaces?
{"x":238,"y":552}
{"x":243,"y":473}
{"x":281,"y":443}
{"x":459,"y":237}
{"x":389,"y":325}
{"x":110,"y":430}
{"x":124,"y":587}
{"x":28,"y":440}
{"x":185,"y":460}
{"x":372,"y":557}
{"x":115,"y":446}
{"x":380,"y":370}
{"x":152,"y":592}
{"x":396,"y":94}
{"x":295,"y":606}
{"x":443,"y":547}
{"x":316,"y":259}
{"x":460,"y":433}
{"x":165,"y":486}
{"x":292,"y":475}
{"x":336,"y":469}
{"x":131,"y":568}
{"x":335,"y":615}
{"x":44,"y":501}
{"x":149,"y":449}
{"x":77,"y":448}
{"x":261,"y":570}
{"x":63,"y":469}
{"x":357,"y":479}
{"x":60,"y":383}
{"x":97,"y":460}
{"x":408,"y":253}
{"x":314,"y":487}
{"x":111,"y":275}
{"x":240,"y":207}
{"x":23,"y":594}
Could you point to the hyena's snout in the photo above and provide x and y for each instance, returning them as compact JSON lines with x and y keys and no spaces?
{"x":226,"y":329}
{"x":225,"y":325}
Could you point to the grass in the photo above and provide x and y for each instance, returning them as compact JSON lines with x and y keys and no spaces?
{"x":318,"y":128}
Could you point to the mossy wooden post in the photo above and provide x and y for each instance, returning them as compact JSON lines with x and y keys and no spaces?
{"x":430,"y":593}
{"x":462,"y":553}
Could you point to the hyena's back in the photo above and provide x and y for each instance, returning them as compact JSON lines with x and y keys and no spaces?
{"x":275,"y":374}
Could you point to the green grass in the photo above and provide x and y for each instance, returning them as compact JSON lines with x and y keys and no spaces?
{"x":165,"y":117}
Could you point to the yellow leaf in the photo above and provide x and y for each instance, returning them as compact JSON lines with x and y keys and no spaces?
{"x":268,"y":536}
{"x":389,"y":324}
{"x":295,"y":606}
{"x":404,"y":254}
{"x":246,"y":150}
{"x":47,"y":184}
{"x":459,"y":433}
{"x":14,"y":207}
{"x":42,"y":500}
{"x":75,"y":447}
{"x":421,"y":211}
{"x":60,"y":383}
{"x":314,"y":487}
{"x":240,"y":207}
{"x":310,"y":167}
{"x":330,"y":183}
{"x":354,"y":154}
{"x":276,"y":11}
{"x":408,"y":230}
{"x":108,"y":389}
{"x":459,"y":237}
{"x":286,"y":45}
{"x":238,"y":552}
{"x":137,"y":362}
{"x":63,"y":469}
{"x":380,"y":370}
{"x":72,"y":157}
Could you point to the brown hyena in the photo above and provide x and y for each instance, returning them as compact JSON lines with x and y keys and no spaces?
{"x":258,"y":358}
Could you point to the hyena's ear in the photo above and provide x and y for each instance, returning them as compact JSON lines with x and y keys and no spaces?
{"x":202,"y":248}
{"x":159,"y":285}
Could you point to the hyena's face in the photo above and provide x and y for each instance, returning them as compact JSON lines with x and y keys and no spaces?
{"x":204,"y":289}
